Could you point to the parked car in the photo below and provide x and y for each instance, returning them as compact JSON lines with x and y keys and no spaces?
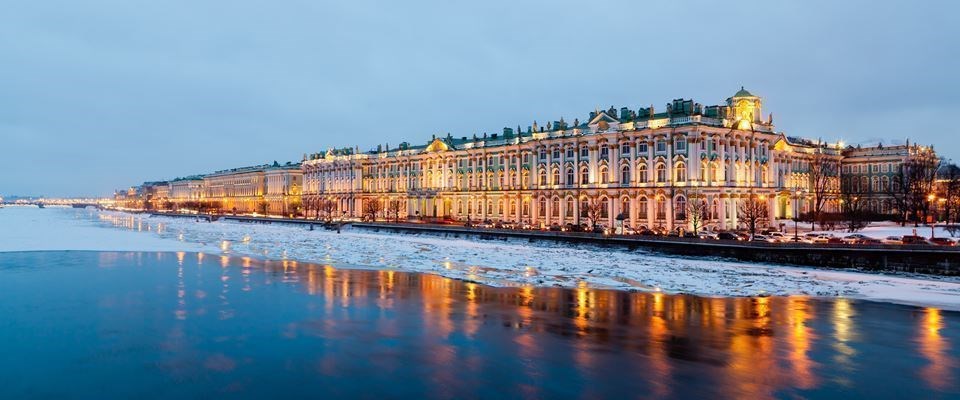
{"x":504,"y":225}
{"x":942,"y":241}
{"x":870,"y":240}
{"x":728,"y":236}
{"x":893,"y":240}
{"x":708,"y":236}
{"x":762,"y":238}
{"x":915,"y":240}
{"x":855,"y":238}
{"x":835,"y":240}
{"x":524,"y":225}
{"x":555,"y":227}
{"x":647,"y":232}
{"x":777,"y":237}
{"x":599,"y":228}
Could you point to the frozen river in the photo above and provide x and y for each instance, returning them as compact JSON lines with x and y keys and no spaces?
{"x":501,"y":263}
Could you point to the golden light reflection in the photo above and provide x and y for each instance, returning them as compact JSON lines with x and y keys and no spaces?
{"x":800,"y":342}
{"x":938,"y":373}
{"x":843,"y":332}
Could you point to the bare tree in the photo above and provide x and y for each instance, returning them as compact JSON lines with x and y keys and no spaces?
{"x":852,"y":209}
{"x":949,"y":182}
{"x":698,"y":211}
{"x":327,"y":207}
{"x":823,"y":174}
{"x":393,"y":208}
{"x":593,"y":211}
{"x":753,"y":212}
{"x":371,"y":208}
{"x":913,"y":182}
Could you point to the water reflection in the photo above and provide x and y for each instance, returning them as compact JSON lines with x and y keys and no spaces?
{"x":939,"y":372}
{"x":439,"y":337}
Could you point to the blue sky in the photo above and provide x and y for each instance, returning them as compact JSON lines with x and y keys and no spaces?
{"x":98,"y":95}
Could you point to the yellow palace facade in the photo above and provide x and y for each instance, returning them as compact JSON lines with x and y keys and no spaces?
{"x":644,"y":166}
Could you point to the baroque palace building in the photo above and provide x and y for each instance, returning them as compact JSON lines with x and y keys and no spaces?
{"x":642,"y":165}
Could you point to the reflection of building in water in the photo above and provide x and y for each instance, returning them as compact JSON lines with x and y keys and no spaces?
{"x":755,"y":347}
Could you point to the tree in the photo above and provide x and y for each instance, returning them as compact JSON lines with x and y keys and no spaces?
{"x":823,"y":174}
{"x":326,"y":207}
{"x":913,"y":183}
{"x":371,"y":208}
{"x":753,"y":212}
{"x":262,"y":207}
{"x":698,"y":211}
{"x":393,"y":208}
{"x":592,"y":211}
{"x":950,"y":189}
{"x":852,"y":205}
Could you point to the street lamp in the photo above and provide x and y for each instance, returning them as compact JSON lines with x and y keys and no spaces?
{"x":796,"y":214}
{"x":931,"y":198}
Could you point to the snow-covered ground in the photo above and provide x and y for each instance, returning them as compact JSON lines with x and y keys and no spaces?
{"x":493,"y":262}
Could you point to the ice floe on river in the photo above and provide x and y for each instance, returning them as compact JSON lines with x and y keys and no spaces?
{"x":492,"y":262}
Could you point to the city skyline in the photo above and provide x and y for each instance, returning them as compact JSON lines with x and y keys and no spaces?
{"x":158,"y":92}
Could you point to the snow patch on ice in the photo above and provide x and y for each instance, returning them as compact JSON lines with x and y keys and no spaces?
{"x":493,"y":262}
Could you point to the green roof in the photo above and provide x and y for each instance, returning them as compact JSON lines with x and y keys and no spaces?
{"x":743,"y":93}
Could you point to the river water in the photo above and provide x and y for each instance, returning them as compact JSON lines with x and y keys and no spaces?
{"x":168,"y":324}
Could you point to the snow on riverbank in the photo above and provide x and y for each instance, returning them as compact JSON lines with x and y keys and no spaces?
{"x":493,"y":262}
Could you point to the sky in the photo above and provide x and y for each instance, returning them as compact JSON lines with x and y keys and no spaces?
{"x":98,"y":95}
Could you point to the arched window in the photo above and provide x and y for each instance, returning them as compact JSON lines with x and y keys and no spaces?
{"x":681,"y":208}
{"x":885,"y":184}
{"x":542,"y":207}
{"x":604,"y":208}
{"x":555,"y":211}
{"x":584,"y":176}
{"x":661,"y":208}
{"x":526,"y":208}
{"x":681,"y":172}
{"x":642,"y":172}
{"x":543,"y":178}
{"x":569,"y":211}
{"x":556,"y":176}
{"x":642,"y":208}
{"x":500,"y":207}
{"x":625,"y":174}
{"x":513,"y":207}
{"x":603,"y":174}
{"x":714,"y":209}
{"x":703,"y":170}
{"x":569,"y":176}
{"x":661,"y":173}
{"x":625,"y":207}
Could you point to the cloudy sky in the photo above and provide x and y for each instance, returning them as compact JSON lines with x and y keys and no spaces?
{"x":97,"y":95}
